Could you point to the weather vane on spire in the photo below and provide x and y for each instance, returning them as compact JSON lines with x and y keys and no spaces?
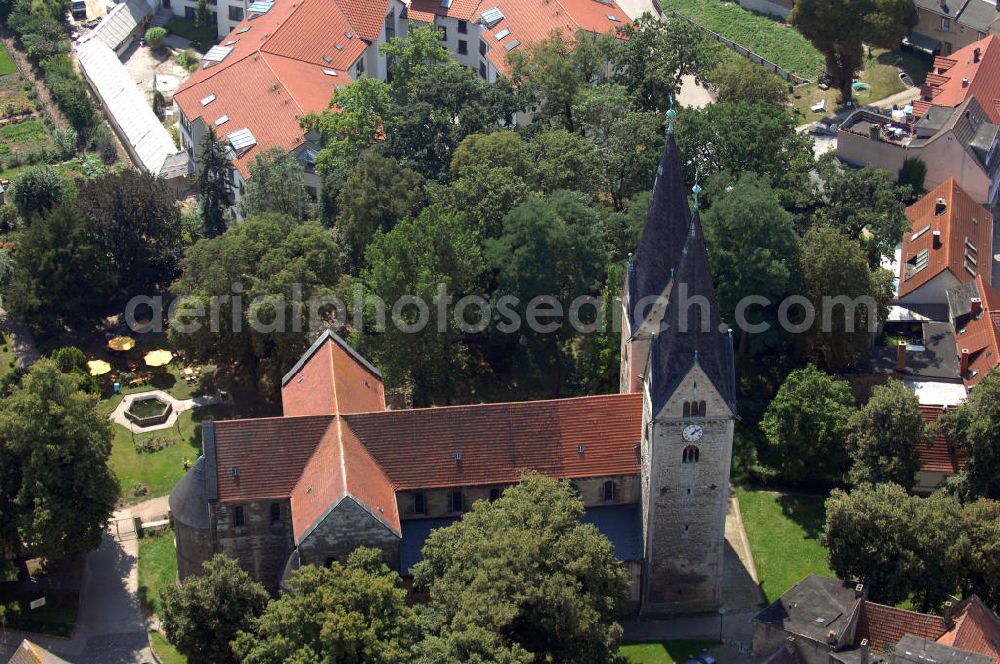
{"x":671,"y":114}
{"x":696,"y":188}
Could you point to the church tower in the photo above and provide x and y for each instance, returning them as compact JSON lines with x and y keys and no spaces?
{"x":677,"y":352}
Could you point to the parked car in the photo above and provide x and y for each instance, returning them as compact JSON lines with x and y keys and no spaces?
{"x":906,"y":79}
{"x":79,"y":9}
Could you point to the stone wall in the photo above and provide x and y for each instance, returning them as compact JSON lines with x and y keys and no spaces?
{"x":194,"y":546}
{"x":685,"y":529}
{"x":346,"y":527}
{"x":260,"y":546}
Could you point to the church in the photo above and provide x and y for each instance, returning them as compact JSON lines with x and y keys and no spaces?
{"x":338,"y":470}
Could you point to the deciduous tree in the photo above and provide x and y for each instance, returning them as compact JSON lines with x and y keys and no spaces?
{"x":883,"y":437}
{"x":276,"y":186}
{"x":739,"y":80}
{"x":973,"y":427}
{"x":36,"y":191}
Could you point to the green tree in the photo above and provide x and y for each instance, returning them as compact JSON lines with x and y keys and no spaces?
{"x":378,"y":193}
{"x":654,"y":54}
{"x":137,"y":224}
{"x":868,"y":537}
{"x":973,"y":427}
{"x":739,"y":80}
{"x":847,"y":297}
{"x":257,"y":271}
{"x":752,"y":247}
{"x":562,"y":160}
{"x":740,"y":137}
{"x":482,"y":151}
{"x":551,"y":73}
{"x":36,"y":191}
{"x":912,"y":175}
{"x":155,"y":36}
{"x":56,"y":489}
{"x":866,"y":204}
{"x":204,"y":614}
{"x":204,"y":20}
{"x":482,"y":198}
{"x":550,"y":247}
{"x":414,"y":259}
{"x":71,"y":359}
{"x":355,"y":613}
{"x":837,"y":30}
{"x":981,"y":521}
{"x":472,"y":645}
{"x":597,"y":355}
{"x":883,"y":435}
{"x":215,"y":185}
{"x":407,"y":56}
{"x":552,"y":587}
{"x":805,"y":425}
{"x":276,"y":185}
{"x":941,"y":551}
{"x":61,"y":276}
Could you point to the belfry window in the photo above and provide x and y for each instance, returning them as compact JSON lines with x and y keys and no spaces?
{"x":690,"y":454}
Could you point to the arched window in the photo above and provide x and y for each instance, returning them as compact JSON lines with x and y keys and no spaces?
{"x":690,"y":454}
{"x":701,"y":409}
{"x":609,"y":490}
{"x":687,"y":409}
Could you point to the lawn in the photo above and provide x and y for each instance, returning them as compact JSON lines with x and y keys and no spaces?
{"x":157,"y":568}
{"x":158,"y":472}
{"x":767,"y":36}
{"x":7,"y":360}
{"x":165,"y":651}
{"x":7,"y":65}
{"x":784,"y":531}
{"x":667,"y":652}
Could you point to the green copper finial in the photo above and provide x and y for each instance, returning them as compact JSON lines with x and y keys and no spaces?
{"x":671,"y":114}
{"x":696,"y":188}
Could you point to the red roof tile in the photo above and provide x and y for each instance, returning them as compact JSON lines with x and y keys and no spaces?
{"x":981,"y":335}
{"x":963,"y":222}
{"x":331,"y":379}
{"x":367,"y":16}
{"x":983,"y":77}
{"x":417,"y":448}
{"x":424,"y":11}
{"x":976,"y":629}
{"x":270,"y":454}
{"x":941,"y":456}
{"x":885,"y":625}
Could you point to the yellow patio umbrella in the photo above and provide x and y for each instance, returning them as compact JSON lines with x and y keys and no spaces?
{"x":158,"y":358}
{"x":122,"y":343}
{"x":98,"y":367}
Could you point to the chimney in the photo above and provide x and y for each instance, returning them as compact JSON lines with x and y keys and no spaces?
{"x":859,"y":590}
{"x":964,"y":369}
{"x":937,"y":239}
{"x":900,"y":364}
{"x":863,"y":652}
{"x":873,"y":132}
{"x":940,"y":205}
{"x":976,"y":53}
{"x":975,"y":307}
{"x":965,"y":81}
{"x":949,"y":613}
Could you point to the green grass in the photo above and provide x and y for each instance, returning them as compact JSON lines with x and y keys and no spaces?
{"x":22,"y":132}
{"x":764,"y":35}
{"x":667,"y":652}
{"x":188,"y":30}
{"x":7,"y":359}
{"x":157,"y":568}
{"x":7,"y":65}
{"x":165,"y":651}
{"x":158,"y":471}
{"x":784,"y":531}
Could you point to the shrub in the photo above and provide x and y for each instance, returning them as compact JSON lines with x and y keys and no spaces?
{"x":66,"y":141}
{"x":187,"y":60}
{"x":912,"y":173}
{"x":155,"y":36}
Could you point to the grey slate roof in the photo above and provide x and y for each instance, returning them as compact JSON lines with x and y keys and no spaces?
{"x":915,"y":650}
{"x":189,"y":498}
{"x":979,"y":15}
{"x":813,"y":607}
{"x":692,"y":332}
{"x":948,"y":8}
{"x":959,"y":297}
{"x":663,"y":236}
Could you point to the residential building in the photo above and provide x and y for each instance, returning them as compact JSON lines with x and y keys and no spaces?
{"x":945,"y":26}
{"x":828,"y":621}
{"x":282,"y":61}
{"x":977,"y":330}
{"x":482,"y":33}
{"x":959,"y":142}
{"x":338,"y":470}
{"x":971,"y":71}
{"x":949,"y":243}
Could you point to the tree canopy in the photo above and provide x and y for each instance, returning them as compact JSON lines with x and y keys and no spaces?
{"x":973,"y":427}
{"x":276,"y":186}
{"x":883,"y":437}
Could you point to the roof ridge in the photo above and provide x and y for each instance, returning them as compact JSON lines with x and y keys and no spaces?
{"x":497,"y":404}
{"x":281,"y":83}
{"x":281,"y":418}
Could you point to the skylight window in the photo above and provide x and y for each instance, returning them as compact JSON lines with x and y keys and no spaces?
{"x":971,"y":246}
{"x":217,"y":53}
{"x":231,"y":42}
{"x":241,"y":139}
{"x":327,"y":59}
{"x":918,"y":262}
{"x":920,"y":232}
{"x":223,"y":119}
{"x":242,"y":30}
{"x":500,"y":35}
{"x":491,"y":17}
{"x":260,"y":7}
{"x":446,"y":4}
{"x":338,"y":47}
{"x":510,"y":46}
{"x":612,"y":17}
{"x":971,"y":269}
{"x":206,"y":100}
{"x":329,"y":72}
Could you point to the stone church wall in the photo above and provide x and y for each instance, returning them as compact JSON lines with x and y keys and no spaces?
{"x":345,"y":528}
{"x":260,"y":546}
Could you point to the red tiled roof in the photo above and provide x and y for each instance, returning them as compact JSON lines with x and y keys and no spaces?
{"x":946,"y":85}
{"x":941,"y":456}
{"x":332,"y":380}
{"x":976,"y":629}
{"x":885,"y":625}
{"x":531,"y":21}
{"x":962,"y":221}
{"x":270,"y":454}
{"x":417,"y":448}
{"x":981,"y":335}
{"x":275,"y":72}
{"x":424,"y":11}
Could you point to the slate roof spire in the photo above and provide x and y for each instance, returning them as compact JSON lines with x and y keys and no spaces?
{"x":664,"y":235}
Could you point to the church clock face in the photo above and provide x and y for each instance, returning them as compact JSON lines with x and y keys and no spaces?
{"x":692,"y":433}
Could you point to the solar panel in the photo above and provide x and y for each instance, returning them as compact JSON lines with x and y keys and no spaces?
{"x":510,"y":46}
{"x":260,"y":7}
{"x":500,"y":35}
{"x":241,"y":139}
{"x":206,"y":100}
{"x":217,"y":53}
{"x":223,"y":119}
{"x":492,"y":16}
